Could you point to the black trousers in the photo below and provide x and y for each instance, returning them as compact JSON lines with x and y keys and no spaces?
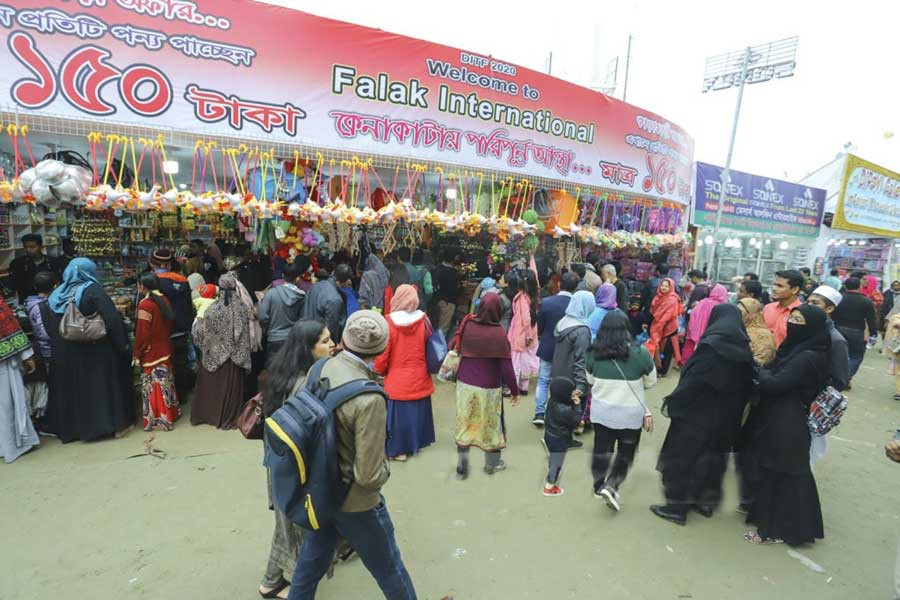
{"x":616,"y":446}
{"x":182,"y":373}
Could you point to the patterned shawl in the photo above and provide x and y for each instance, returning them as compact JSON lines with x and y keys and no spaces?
{"x":223,"y":333}
{"x":12,"y":339}
{"x":762,"y":342}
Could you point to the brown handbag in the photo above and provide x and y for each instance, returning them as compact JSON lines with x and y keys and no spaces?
{"x":250,"y":421}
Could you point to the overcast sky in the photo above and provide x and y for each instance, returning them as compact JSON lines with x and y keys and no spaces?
{"x":846,"y":87}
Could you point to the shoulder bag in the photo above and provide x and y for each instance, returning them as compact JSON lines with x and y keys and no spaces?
{"x":76,"y":327}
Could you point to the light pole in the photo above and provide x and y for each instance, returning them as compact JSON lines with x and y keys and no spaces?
{"x":754,"y":64}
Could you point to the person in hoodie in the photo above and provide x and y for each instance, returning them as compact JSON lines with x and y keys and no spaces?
{"x":563,"y":415}
{"x":372,"y":283}
{"x":281,"y":308}
{"x":605,"y":299}
{"x":175,"y":287}
{"x":573,"y":338}
{"x":36,"y":383}
{"x":324,"y":301}
{"x":410,"y":422}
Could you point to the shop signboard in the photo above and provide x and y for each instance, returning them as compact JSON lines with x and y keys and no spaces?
{"x":869,"y":200}
{"x":757,"y":203}
{"x":251,"y":70}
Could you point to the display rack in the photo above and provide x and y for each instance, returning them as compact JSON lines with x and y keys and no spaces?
{"x":869,"y":255}
{"x":17,"y":220}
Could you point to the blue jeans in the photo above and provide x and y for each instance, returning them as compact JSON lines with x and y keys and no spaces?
{"x":371,"y":534}
{"x":854,"y":366}
{"x":543,"y":387}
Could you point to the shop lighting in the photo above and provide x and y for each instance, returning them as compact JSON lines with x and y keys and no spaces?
{"x":861,"y":243}
{"x":851,"y":243}
{"x":752,"y":241}
{"x":783,"y":246}
{"x":709,"y":239}
{"x":170,"y":167}
{"x":768,"y":242}
{"x":759,"y":245}
{"x":699,"y":243}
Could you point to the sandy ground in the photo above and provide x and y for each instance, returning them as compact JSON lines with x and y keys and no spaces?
{"x":106,"y":521}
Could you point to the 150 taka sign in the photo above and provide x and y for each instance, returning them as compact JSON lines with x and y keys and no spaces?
{"x":242,"y":68}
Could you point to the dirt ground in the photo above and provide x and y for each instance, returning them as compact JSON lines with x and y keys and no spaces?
{"x":107,"y":520}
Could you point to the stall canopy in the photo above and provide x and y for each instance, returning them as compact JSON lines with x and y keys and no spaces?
{"x":248,"y":70}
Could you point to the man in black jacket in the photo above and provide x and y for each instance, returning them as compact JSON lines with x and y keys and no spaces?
{"x":446,"y":292}
{"x":552,"y":310}
{"x":23,"y":268}
{"x":853,"y":315}
{"x":174,"y":286}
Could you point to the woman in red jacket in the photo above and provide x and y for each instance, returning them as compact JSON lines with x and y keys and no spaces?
{"x":410,"y":424}
{"x":153,"y":353}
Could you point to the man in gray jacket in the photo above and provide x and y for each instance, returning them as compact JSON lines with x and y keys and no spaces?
{"x":281,"y":308}
{"x":363,"y":519}
{"x":324,"y":301}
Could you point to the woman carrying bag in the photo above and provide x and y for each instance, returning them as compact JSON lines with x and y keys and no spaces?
{"x":92,"y":381}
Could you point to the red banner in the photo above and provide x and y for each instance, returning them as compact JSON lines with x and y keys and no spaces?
{"x":241,"y":68}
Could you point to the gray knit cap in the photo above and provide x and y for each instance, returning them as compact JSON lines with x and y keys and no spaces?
{"x":366,"y":333}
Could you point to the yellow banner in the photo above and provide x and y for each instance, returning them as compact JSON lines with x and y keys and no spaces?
{"x":869,"y":200}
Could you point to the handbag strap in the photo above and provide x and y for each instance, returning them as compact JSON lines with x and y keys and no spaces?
{"x":631,"y":389}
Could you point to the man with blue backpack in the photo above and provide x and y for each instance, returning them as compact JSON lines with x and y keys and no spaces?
{"x":325,"y":450}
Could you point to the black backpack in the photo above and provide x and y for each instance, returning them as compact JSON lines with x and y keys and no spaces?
{"x":301,"y":449}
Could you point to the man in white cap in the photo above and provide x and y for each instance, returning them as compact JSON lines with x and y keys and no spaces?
{"x":828,"y":299}
{"x":363,"y":519}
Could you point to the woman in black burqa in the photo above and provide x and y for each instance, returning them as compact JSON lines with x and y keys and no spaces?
{"x":786,"y":507}
{"x":705,"y":411}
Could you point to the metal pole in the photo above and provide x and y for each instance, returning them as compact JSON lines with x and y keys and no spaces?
{"x":726,"y":175}
{"x":550,"y":64}
{"x":627,"y":65}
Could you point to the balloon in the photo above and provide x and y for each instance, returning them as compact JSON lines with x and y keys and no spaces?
{"x":50,"y":170}
{"x":26,"y":178}
{"x":531,"y":243}
{"x":84,"y":177}
{"x":540,"y":228}
{"x":530,"y":216}
{"x":40,"y":189}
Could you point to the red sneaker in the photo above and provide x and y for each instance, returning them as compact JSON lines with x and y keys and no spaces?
{"x":552,"y":492}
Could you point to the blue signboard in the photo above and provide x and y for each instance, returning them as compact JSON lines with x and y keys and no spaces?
{"x":756,"y":203}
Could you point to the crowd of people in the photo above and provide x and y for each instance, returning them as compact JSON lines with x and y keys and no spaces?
{"x":221,"y":331}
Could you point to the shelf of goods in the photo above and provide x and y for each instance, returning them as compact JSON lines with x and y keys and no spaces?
{"x":17,"y":220}
{"x":871,"y":256}
{"x":734,"y":262}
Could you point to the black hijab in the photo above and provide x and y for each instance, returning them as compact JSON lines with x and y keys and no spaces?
{"x":726,"y":335}
{"x":811,"y":336}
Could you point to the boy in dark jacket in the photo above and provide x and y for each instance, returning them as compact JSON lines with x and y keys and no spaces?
{"x":563,"y":415}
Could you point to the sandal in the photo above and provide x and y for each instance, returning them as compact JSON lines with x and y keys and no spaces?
{"x":754,"y":538}
{"x":275,"y":592}
{"x":399,"y":458}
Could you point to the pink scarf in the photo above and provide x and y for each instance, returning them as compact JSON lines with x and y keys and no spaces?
{"x":700,"y":314}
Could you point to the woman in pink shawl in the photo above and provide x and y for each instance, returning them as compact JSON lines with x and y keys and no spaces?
{"x":700,"y":318}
